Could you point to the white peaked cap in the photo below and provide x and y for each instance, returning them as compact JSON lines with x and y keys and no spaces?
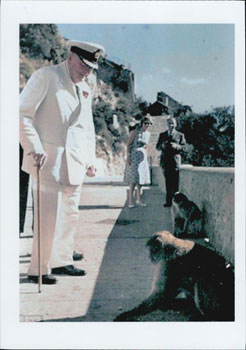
{"x":89,"y":53}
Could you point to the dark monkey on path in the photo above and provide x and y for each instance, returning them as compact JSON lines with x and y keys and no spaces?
{"x":186,"y":217}
{"x":183,"y":265}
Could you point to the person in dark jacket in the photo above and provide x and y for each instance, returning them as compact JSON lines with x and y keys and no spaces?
{"x":171,"y":143}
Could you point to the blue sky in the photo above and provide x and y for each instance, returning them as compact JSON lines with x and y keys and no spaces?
{"x":193,"y":63}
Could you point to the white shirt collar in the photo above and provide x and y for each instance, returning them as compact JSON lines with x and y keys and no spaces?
{"x":171,"y":133}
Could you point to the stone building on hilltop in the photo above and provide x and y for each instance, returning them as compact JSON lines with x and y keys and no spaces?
{"x":166,"y":105}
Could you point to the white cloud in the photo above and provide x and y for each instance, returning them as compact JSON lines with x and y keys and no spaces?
{"x":166,"y":70}
{"x":147,"y":77}
{"x":198,"y":81}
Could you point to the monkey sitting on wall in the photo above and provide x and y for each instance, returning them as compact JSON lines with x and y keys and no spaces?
{"x":186,"y":217}
{"x":182,"y":265}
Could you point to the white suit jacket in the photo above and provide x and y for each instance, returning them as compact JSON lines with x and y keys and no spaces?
{"x":53,"y":119}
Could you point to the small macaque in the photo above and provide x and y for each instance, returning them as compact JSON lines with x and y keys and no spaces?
{"x":186,"y":217}
{"x":196,"y":270}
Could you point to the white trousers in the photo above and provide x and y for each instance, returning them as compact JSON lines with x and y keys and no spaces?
{"x":59,"y":212}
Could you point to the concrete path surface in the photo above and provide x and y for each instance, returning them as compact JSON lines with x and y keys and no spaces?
{"x":112,"y":238}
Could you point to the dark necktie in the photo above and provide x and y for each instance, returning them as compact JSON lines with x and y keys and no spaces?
{"x":78,"y":92}
{"x":77,"y":111}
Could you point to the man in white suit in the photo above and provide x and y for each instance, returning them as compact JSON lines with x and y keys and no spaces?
{"x":58,"y":137}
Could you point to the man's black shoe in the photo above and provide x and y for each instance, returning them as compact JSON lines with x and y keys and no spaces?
{"x":167,"y":205}
{"x":77,"y":256}
{"x":46,"y":279}
{"x":68,"y":270}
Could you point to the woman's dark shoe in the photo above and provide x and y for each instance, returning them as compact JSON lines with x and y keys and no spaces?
{"x":77,"y":256}
{"x":68,"y":270}
{"x":46,"y":279}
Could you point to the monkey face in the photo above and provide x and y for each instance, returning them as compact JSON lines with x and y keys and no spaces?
{"x":160,"y":249}
{"x":164,"y":246}
{"x":155,"y":249}
{"x":179,"y":197}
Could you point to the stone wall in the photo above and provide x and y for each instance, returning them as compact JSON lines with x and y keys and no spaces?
{"x":212,"y":189}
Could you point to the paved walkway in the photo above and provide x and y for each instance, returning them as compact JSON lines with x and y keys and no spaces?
{"x":112,"y":238}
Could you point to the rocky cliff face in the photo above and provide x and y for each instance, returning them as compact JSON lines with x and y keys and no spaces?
{"x":109,"y":163}
{"x":120,"y":78}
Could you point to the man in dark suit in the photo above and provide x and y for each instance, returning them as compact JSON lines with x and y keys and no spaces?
{"x":170,"y":143}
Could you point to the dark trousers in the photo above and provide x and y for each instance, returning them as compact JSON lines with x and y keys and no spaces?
{"x":172,"y":183}
{"x":24,"y":180}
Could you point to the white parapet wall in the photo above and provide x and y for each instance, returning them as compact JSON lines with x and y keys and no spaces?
{"x":212,"y":189}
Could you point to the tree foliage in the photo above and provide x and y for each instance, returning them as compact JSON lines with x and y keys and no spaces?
{"x":42,"y":41}
{"x":103,"y":113}
{"x":210,"y":137}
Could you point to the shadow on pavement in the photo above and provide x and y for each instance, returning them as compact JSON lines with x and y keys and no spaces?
{"x":25,"y":256}
{"x":24,"y":279}
{"x":126,"y":273}
{"x":93,"y":207}
{"x":25,"y":261}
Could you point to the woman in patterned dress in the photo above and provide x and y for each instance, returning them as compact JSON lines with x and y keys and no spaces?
{"x":137,"y":168}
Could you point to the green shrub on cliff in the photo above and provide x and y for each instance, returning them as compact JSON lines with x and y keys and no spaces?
{"x":42,"y":41}
{"x":210,"y":137}
{"x":114,"y":137}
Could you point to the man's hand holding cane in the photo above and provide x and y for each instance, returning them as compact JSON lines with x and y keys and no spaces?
{"x":40,"y":159}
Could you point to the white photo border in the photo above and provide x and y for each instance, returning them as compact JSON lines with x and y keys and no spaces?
{"x":107,"y":335}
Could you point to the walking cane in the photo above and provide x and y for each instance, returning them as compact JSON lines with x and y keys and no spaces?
{"x":39,"y":231}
